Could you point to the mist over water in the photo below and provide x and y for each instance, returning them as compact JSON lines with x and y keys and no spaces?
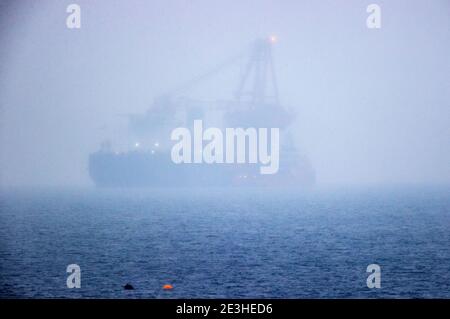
{"x":372,"y":105}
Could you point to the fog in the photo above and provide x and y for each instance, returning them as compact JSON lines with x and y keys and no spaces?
{"x":373,"y":105}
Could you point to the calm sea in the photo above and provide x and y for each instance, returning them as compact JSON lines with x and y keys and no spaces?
{"x":221,"y":243}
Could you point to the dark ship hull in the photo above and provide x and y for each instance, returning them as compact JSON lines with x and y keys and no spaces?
{"x":146,"y":169}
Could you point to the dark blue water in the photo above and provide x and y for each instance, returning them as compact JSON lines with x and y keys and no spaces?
{"x":220,"y":243}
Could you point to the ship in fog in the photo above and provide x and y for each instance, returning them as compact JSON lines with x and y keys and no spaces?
{"x":255,"y":104}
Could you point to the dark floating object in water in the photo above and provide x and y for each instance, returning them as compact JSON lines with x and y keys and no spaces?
{"x":128,"y":287}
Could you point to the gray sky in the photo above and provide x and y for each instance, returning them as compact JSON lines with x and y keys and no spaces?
{"x":373,"y":105}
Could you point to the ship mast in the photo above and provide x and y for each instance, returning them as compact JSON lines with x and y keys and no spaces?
{"x":259,"y":78}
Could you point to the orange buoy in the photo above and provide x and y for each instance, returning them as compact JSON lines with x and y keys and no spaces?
{"x":167,"y":287}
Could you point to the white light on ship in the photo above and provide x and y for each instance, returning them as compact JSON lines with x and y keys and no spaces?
{"x":137,"y":144}
{"x":156,"y":144}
